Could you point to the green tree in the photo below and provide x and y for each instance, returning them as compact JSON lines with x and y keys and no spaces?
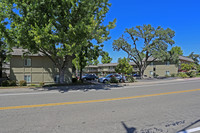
{"x":58,"y":29}
{"x":123,"y":67}
{"x":176,"y":50}
{"x":155,"y":45}
{"x":195,"y":57}
{"x":188,"y":67}
{"x":105,"y":57}
{"x":93,"y":62}
{"x":2,"y":56}
{"x":3,"y":33}
{"x":87,"y":54}
{"x":198,"y":68}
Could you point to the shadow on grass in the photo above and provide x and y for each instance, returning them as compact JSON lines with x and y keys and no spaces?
{"x":77,"y":86}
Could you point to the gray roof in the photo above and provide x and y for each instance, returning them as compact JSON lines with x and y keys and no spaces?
{"x":108,"y":64}
{"x":180,"y":58}
{"x":92,"y":66}
{"x":20,"y":52}
{"x":186,"y":58}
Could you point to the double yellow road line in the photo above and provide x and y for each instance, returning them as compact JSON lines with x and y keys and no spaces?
{"x":94,"y":101}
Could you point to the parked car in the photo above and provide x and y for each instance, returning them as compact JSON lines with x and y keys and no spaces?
{"x":109,"y":76}
{"x":89,"y":77}
{"x":137,"y":76}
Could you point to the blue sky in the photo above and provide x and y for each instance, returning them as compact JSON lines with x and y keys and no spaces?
{"x":182,"y":16}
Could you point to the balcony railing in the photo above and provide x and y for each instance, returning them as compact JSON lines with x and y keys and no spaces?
{"x":90,"y":70}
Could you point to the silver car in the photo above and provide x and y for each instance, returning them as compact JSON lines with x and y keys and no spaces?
{"x":109,"y":76}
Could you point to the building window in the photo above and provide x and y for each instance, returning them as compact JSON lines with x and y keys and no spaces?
{"x":27,"y":62}
{"x":151,"y":64}
{"x":167,"y":73}
{"x":167,"y":63}
{"x":151,"y":73}
{"x":27,"y":78}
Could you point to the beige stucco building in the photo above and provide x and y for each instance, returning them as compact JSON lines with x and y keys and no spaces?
{"x":36,"y":68}
{"x":156,"y":68}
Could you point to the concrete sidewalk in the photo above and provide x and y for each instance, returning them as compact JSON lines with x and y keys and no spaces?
{"x":159,"y":81}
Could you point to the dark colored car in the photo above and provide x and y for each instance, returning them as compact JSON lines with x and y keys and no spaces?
{"x":90,"y":77}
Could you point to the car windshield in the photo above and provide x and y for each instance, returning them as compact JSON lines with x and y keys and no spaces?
{"x":108,"y":75}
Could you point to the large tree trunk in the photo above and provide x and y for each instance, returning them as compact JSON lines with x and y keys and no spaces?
{"x":1,"y":64}
{"x":141,"y":73}
{"x":81,"y":74}
{"x":1,"y":69}
{"x":62,"y":75}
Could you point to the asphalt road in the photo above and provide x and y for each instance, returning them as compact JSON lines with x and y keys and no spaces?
{"x":156,"y":108}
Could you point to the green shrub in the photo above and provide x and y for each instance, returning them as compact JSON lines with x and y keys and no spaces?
{"x":42,"y":84}
{"x":198,"y":74}
{"x":183,"y":75}
{"x":191,"y":74}
{"x":113,"y":80}
{"x":5,"y":83}
{"x":167,"y":75}
{"x":22,"y":83}
{"x":74,"y":80}
{"x":130,"y":78}
{"x":173,"y":75}
{"x":12,"y":83}
{"x":33,"y":85}
{"x":156,"y":76}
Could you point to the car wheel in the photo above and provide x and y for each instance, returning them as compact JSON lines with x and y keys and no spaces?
{"x":105,"y":81}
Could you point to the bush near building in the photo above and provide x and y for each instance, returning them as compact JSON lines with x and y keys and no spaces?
{"x":130,"y":78}
{"x":12,"y":83}
{"x":191,"y":74}
{"x":22,"y":83}
{"x":173,"y":75}
{"x":6,"y":83}
{"x":182,"y":75}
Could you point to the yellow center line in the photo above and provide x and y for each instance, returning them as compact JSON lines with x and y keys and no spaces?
{"x":93,"y":101}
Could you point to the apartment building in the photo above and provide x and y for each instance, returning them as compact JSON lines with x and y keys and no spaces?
{"x":156,"y":68}
{"x":36,"y":68}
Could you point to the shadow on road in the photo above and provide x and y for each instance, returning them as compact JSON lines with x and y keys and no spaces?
{"x":128,"y":129}
{"x":83,"y":88}
{"x":184,"y":129}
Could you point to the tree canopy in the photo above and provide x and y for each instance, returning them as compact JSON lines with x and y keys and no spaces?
{"x":195,"y":57}
{"x":123,"y":66}
{"x":58,"y":29}
{"x":105,"y":57}
{"x":3,"y":34}
{"x":176,"y":50}
{"x":155,"y":44}
{"x":86,"y":56}
{"x":188,"y":67}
